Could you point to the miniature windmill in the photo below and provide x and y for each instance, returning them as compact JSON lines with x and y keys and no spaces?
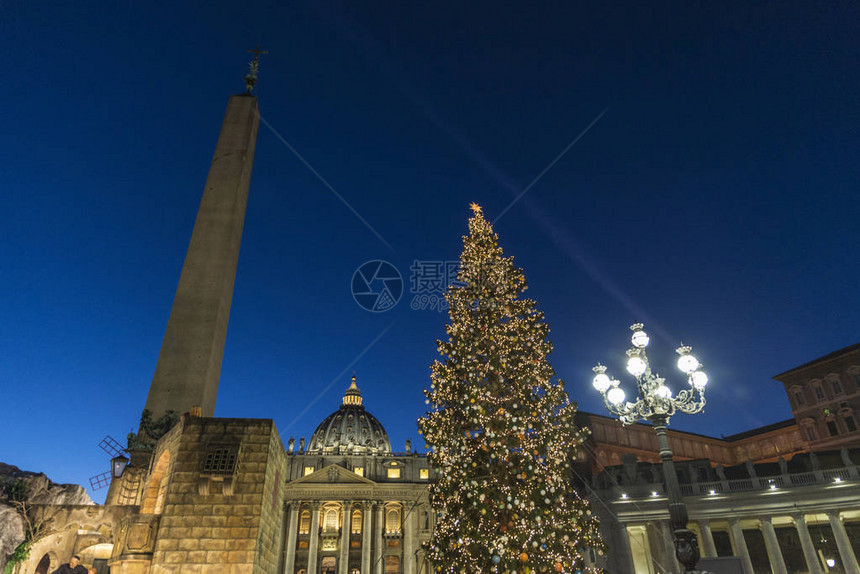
{"x":118,"y":462}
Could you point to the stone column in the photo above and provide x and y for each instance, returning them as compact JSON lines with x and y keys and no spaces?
{"x":740,"y":546}
{"x":622,"y":558}
{"x":378,"y":529}
{"x":849,"y":560}
{"x":313,"y":545}
{"x":365,"y":538}
{"x":409,"y":537}
{"x":709,"y":548}
{"x":292,"y":531}
{"x":807,"y":545}
{"x":668,"y":543}
{"x":774,"y":554}
{"x":345,"y":531}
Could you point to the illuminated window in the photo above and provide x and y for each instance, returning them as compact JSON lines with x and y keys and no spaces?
{"x":356,"y":522}
{"x":330,"y":524}
{"x":308,"y":470}
{"x":359,"y":470}
{"x":305,"y":522}
{"x":393,"y":473}
{"x":424,"y":473}
{"x":392,"y":521}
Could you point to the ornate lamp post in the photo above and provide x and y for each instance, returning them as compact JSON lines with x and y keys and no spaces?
{"x":656,"y":404}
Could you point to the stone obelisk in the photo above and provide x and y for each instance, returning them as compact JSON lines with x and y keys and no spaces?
{"x":189,"y":363}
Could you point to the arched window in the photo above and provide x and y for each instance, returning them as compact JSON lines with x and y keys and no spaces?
{"x":818,"y":390}
{"x":356,"y":522}
{"x":305,"y":522}
{"x":330,"y":522}
{"x":392,"y":521}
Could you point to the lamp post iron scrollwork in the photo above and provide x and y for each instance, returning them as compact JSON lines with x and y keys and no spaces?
{"x":656,"y":404}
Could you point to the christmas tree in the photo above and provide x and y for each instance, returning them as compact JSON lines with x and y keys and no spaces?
{"x":501,"y":430}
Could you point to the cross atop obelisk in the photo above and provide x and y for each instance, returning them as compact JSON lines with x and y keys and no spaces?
{"x":254,"y":65}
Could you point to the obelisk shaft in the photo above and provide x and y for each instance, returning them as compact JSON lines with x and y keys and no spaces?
{"x":189,"y":364}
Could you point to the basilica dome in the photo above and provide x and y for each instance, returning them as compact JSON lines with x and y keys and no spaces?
{"x":350,"y":429}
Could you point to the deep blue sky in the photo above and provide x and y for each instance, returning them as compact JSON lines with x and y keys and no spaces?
{"x":715,"y":200}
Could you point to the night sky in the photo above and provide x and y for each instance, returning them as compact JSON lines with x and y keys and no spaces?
{"x":711,"y":193}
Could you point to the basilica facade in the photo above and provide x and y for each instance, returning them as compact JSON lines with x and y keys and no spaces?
{"x":353,"y":505}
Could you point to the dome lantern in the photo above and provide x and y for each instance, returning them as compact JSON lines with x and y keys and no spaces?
{"x":352,"y":396}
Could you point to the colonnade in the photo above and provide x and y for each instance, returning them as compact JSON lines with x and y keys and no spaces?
{"x":373,"y":536}
{"x":708,"y":547}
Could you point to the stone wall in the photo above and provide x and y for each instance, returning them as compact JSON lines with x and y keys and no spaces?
{"x":272,"y":518}
{"x":214,"y":508}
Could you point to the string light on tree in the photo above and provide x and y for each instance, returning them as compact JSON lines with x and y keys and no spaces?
{"x":501,"y":430}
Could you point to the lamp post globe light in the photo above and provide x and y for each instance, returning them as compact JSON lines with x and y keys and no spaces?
{"x":656,"y":404}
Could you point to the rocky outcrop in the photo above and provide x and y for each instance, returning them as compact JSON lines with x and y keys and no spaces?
{"x":40,"y":490}
{"x":11,"y":531}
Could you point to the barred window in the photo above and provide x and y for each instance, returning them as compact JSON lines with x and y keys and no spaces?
{"x":220,"y":461}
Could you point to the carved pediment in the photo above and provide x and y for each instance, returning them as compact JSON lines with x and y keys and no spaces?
{"x":333,"y":474}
